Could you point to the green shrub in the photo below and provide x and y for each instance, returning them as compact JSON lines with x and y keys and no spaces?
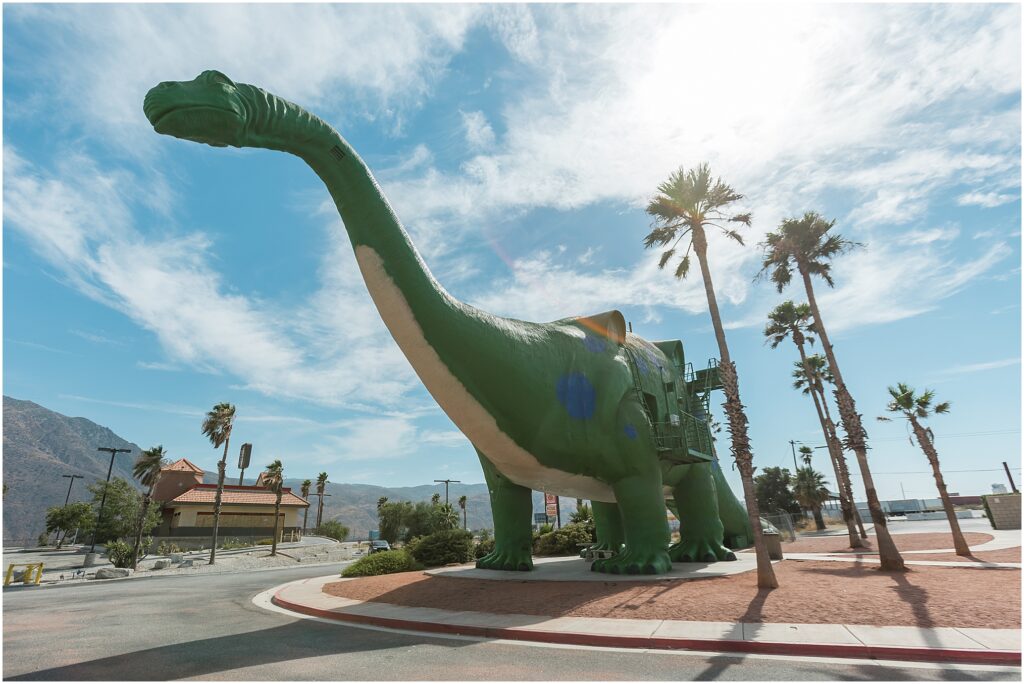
{"x":382,"y":563}
{"x":233,"y":543}
{"x":120,"y":553}
{"x":167,"y":548}
{"x":333,"y":529}
{"x":564,"y":541}
{"x":265,"y":542}
{"x":483,"y":548}
{"x":443,"y":547}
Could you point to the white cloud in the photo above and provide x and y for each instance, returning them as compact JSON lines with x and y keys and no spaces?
{"x":479,"y":134}
{"x":979,"y":367}
{"x":335,"y":350}
{"x":984,"y":199}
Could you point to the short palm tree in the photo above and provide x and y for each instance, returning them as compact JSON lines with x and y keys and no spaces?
{"x":687,"y":204}
{"x":915,"y":408}
{"x":146,"y":470}
{"x":306,"y":484}
{"x":273,"y":480}
{"x":217,"y":428}
{"x":806,"y":245}
{"x":810,"y":490}
{"x":462,"y":505}
{"x":792,"y":321}
{"x":321,"y":487}
{"x":435,"y":500}
{"x":381,"y":502}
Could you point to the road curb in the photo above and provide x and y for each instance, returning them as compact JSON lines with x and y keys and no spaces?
{"x":950,"y":655}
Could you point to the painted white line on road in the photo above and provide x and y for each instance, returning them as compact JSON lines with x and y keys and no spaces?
{"x":263,"y":600}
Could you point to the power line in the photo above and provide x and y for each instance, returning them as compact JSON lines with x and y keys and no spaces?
{"x":928,"y":472}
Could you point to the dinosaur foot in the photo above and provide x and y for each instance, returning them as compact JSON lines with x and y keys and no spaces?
{"x":699,"y":551}
{"x":635,"y":562}
{"x":500,"y":559}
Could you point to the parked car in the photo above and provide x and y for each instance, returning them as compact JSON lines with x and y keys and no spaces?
{"x":379,"y":545}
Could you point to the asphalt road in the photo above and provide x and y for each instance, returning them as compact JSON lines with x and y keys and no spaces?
{"x":206,"y":627}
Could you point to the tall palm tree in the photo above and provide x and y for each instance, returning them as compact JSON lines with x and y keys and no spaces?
{"x":687,"y":204}
{"x":146,"y":470}
{"x":217,"y":428}
{"x":462,"y":505}
{"x":381,"y":502}
{"x":274,"y":481}
{"x":810,"y":491}
{"x":804,"y":244}
{"x":915,"y":408}
{"x":306,"y":484}
{"x":321,"y":486}
{"x":435,"y":500}
{"x":811,"y":379}
{"x":806,"y":454}
{"x":789,"y":320}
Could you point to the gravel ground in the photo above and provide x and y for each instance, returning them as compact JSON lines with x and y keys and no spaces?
{"x":998,"y":556}
{"x":904,"y":542}
{"x":810,"y":592}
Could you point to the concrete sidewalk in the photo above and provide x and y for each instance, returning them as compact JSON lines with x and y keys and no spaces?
{"x":943,"y":644}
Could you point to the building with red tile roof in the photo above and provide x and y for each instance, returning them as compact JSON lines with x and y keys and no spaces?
{"x":247,"y":511}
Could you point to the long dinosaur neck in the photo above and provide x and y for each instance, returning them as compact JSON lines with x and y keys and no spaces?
{"x":387,"y":258}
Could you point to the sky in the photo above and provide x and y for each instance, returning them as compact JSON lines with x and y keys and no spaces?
{"x":147,"y":279}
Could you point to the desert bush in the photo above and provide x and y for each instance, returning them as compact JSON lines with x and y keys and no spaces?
{"x":333,"y":529}
{"x":443,"y":547}
{"x":265,"y":542}
{"x":563,"y":541}
{"x":166,"y":548}
{"x":382,"y":563}
{"x":120,"y":553}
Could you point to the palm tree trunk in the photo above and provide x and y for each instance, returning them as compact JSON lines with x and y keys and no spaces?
{"x":305,"y":519}
{"x":844,"y":471}
{"x":959,"y":543}
{"x":819,"y":522}
{"x":856,"y":439}
{"x":737,"y":419}
{"x":138,"y":530}
{"x":221,"y":467}
{"x":277,"y":511}
{"x":320,"y":510}
{"x":845,"y":501}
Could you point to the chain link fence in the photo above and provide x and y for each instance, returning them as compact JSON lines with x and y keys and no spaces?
{"x":783,"y":522}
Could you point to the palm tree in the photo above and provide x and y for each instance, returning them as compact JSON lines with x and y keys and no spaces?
{"x":217,"y":427}
{"x":686,"y":204}
{"x":381,"y":502}
{"x":809,"y":488}
{"x":306,"y":484}
{"x":789,"y":320}
{"x":462,"y":505}
{"x":274,"y":481}
{"x":806,"y":453}
{"x":805,"y":244}
{"x":435,"y":500}
{"x":321,"y":486}
{"x":146,"y":470}
{"x":916,"y":408}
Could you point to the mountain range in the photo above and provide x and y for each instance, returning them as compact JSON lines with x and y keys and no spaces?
{"x":41,"y":445}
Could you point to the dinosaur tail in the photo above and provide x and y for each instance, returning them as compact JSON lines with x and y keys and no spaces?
{"x":731,"y":512}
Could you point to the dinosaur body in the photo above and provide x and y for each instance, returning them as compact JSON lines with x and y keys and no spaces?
{"x":578,"y":406}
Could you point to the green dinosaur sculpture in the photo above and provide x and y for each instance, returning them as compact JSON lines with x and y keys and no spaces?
{"x":579,"y":406}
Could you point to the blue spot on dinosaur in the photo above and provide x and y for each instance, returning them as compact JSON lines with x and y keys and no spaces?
{"x":577,"y":395}
{"x":630,"y":431}
{"x":594,"y":343}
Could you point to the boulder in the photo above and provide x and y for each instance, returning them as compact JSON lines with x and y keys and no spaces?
{"x":175,"y":557}
{"x":161,"y":564}
{"x":111,"y":573}
{"x":186,"y":564}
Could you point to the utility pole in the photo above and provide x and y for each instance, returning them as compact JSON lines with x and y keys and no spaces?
{"x":68,"y":497}
{"x":1009,"y":477}
{"x":446,"y":482}
{"x":103,"y":501}
{"x":792,"y":448}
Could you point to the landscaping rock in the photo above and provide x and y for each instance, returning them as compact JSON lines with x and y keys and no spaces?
{"x":176,"y":557}
{"x":111,"y":573}
{"x":186,"y":564}
{"x":161,"y":564}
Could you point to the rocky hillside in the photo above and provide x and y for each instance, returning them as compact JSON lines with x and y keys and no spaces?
{"x":40,"y":446}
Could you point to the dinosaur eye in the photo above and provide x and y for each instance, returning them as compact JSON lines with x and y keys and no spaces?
{"x":218,"y":77}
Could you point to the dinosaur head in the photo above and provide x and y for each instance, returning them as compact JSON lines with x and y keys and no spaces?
{"x":210,"y":109}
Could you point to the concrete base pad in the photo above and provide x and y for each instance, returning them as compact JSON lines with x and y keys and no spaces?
{"x":572,"y":569}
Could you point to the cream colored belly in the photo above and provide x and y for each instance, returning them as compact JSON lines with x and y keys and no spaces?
{"x":472,"y":419}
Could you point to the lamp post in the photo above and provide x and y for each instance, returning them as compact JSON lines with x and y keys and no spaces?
{"x":68,"y":497}
{"x":446,"y":482}
{"x":103,"y":500}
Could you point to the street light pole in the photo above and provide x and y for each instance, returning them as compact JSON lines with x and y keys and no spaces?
{"x":446,"y":482}
{"x":68,"y":497}
{"x":103,"y":500}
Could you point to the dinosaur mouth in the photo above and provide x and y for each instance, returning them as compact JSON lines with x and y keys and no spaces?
{"x":197,"y":112}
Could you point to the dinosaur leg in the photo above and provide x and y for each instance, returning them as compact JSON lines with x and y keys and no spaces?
{"x":608,"y":522}
{"x":642,"y":505}
{"x":700,"y":529}
{"x":511,"y":507}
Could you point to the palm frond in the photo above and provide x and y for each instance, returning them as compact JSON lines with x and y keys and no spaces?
{"x":683,"y":268}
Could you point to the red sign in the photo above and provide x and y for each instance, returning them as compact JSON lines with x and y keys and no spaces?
{"x":550,"y":499}
{"x":552,"y":511}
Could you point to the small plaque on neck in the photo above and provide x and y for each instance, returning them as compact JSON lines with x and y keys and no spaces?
{"x":337,"y":153}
